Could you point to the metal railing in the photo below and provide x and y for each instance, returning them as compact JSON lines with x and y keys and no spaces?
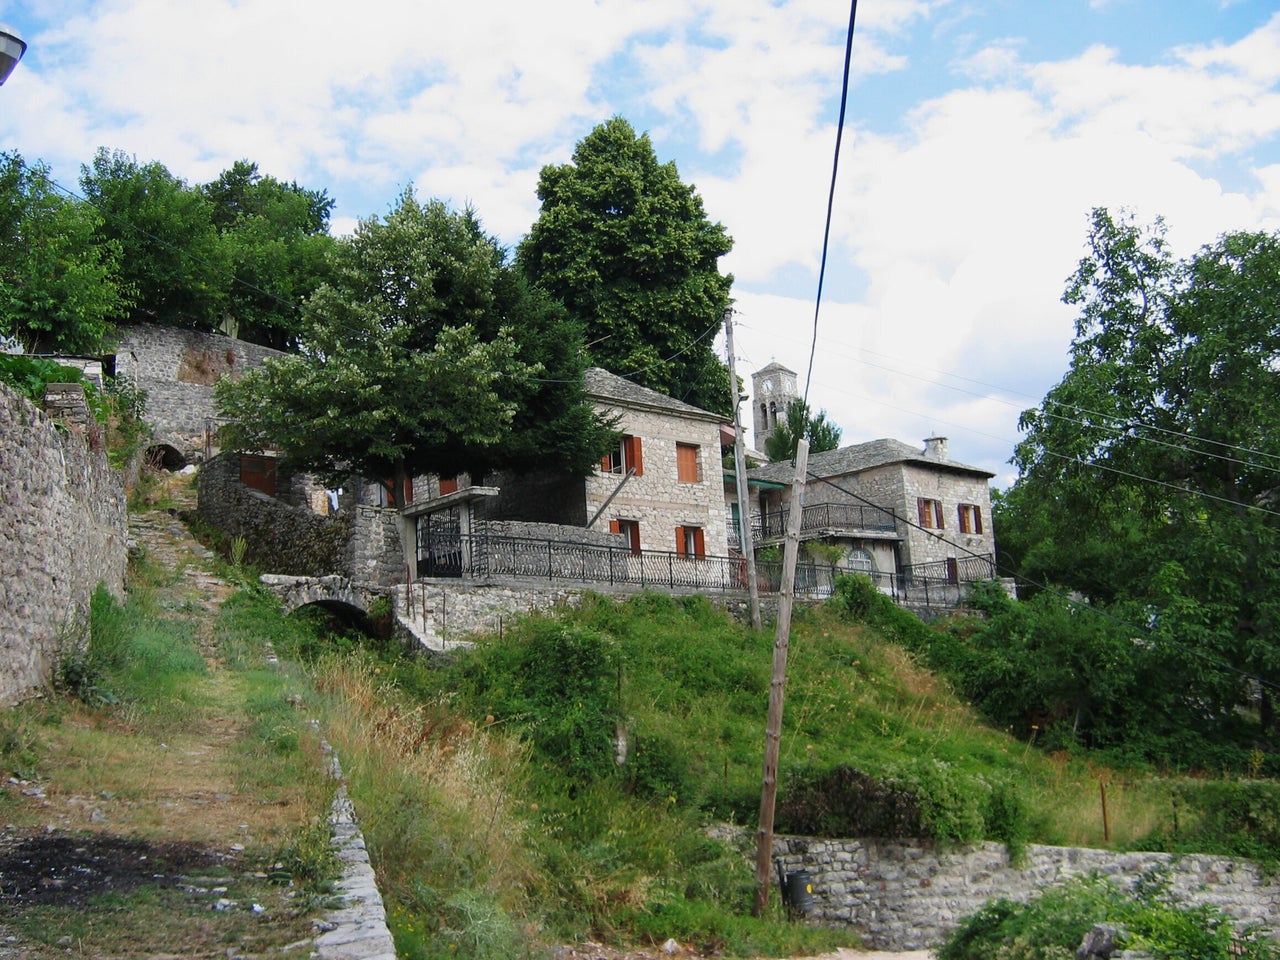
{"x":448,"y":553}
{"x":816,"y":517}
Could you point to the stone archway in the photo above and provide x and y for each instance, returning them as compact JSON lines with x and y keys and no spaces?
{"x":164,"y":456}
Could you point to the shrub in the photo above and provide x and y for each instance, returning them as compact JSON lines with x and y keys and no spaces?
{"x":1147,"y":919}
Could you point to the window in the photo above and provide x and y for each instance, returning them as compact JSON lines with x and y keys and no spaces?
{"x":930,"y":512}
{"x":629,"y":529}
{"x":861,"y":561}
{"x":690,"y":542}
{"x":687,"y":463}
{"x":970,"y":518}
{"x":625,"y":458}
{"x":448,"y":483}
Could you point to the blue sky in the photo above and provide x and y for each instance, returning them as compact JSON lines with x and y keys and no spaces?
{"x":979,"y":134}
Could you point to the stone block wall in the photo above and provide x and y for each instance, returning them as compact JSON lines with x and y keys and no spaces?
{"x":360,"y":542}
{"x":178,"y":368}
{"x":908,"y":895}
{"x":279,"y":538}
{"x":657,"y":499}
{"x":63,"y":530}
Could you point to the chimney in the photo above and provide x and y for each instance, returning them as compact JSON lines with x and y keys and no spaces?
{"x":936,"y":448}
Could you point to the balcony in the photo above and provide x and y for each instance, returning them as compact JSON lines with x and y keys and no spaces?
{"x":825,"y":520}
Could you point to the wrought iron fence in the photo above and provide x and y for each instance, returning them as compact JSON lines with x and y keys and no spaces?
{"x":446,"y":552}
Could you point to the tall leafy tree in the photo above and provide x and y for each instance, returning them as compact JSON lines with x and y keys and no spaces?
{"x":172,"y":256}
{"x":1150,"y":475}
{"x":424,"y":352}
{"x":800,"y":422}
{"x":60,"y":283}
{"x":277,"y":246}
{"x":628,"y":248}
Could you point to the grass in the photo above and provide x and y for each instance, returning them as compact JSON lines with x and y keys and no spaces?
{"x":160,"y":735}
{"x":498,"y":818}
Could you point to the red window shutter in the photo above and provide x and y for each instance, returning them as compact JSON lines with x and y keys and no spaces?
{"x":922,"y":508}
{"x":634,"y":457}
{"x":635,"y":536}
{"x":937,"y":513}
{"x":963,"y":517}
{"x":615,"y":526}
{"x":606,"y":463}
{"x":977,"y":519}
{"x":699,"y":544}
{"x":448,"y":484}
{"x":408,"y":491}
{"x":680,"y":541}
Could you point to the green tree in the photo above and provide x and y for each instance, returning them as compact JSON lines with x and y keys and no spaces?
{"x":800,"y":422}
{"x":60,"y":286}
{"x":425,"y":352}
{"x":628,"y":248}
{"x":1150,"y":475}
{"x":172,"y":259}
{"x":277,"y":246}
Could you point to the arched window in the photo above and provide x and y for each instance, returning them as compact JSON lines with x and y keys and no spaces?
{"x":860,"y":561}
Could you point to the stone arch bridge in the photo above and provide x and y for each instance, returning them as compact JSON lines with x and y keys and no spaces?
{"x":347,"y":597}
{"x":333,"y":593}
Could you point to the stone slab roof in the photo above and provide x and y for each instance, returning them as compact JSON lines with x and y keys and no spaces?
{"x":863,"y":456}
{"x":609,"y":387}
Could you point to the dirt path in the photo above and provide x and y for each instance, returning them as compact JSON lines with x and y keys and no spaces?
{"x":124,"y":832}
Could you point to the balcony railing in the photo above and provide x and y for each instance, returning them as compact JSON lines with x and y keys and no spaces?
{"x":825,"y":517}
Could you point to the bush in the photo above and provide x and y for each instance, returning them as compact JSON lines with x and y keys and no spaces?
{"x":1147,"y":919}
{"x":921,"y":799}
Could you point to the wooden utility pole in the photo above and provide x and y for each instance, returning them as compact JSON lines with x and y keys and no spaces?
{"x":740,"y":471}
{"x":778,"y":681}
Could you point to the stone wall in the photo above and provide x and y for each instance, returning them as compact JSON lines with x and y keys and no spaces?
{"x":279,"y":537}
{"x":905,"y":895}
{"x":63,"y":530}
{"x":657,"y":499}
{"x":178,"y":368}
{"x":360,"y":542}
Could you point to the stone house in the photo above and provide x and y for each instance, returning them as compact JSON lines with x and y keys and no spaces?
{"x":659,"y":490}
{"x":885,"y":507}
{"x":892,"y":507}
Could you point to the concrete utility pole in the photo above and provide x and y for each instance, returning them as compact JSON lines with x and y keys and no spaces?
{"x":778,"y":681}
{"x":740,"y":471}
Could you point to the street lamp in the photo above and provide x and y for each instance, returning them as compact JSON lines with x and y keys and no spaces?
{"x":12,"y":47}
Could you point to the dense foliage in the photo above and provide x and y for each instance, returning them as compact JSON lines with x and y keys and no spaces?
{"x":628,"y":249}
{"x":61,"y":283}
{"x":801,"y":422}
{"x":425,"y":352}
{"x":1149,"y":485}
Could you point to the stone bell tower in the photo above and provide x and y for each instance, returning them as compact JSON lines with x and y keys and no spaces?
{"x":772,"y":390}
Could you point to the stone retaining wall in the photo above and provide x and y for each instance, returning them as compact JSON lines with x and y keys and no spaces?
{"x":279,"y":538}
{"x":63,"y":530}
{"x":906,"y":895}
{"x":178,"y":368}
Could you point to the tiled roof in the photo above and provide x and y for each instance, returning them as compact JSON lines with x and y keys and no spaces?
{"x":862,"y":456}
{"x":603,"y":385}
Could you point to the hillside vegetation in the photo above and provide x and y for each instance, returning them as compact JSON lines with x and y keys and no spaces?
{"x":499,"y":814}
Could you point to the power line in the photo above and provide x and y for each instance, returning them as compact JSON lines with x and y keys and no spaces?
{"x":831,"y":193}
{"x":1075,"y":602}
